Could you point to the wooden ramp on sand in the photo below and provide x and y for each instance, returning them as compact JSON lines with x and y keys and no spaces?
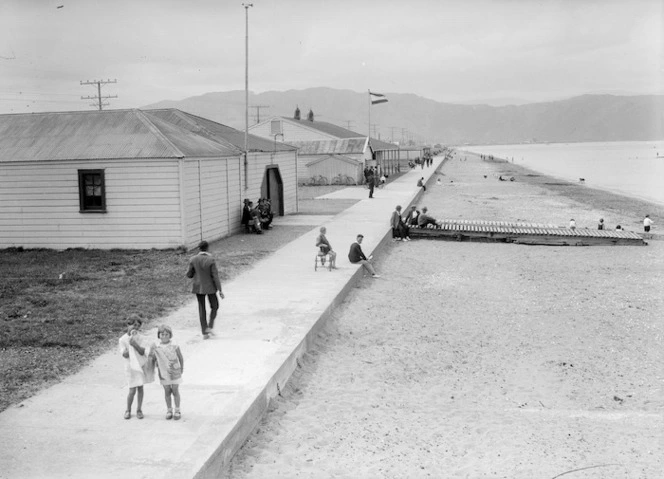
{"x":524,"y":233}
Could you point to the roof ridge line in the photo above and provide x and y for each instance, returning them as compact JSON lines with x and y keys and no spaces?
{"x":212,"y":137}
{"x":154,"y":129}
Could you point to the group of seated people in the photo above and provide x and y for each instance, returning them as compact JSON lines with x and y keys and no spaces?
{"x":257,"y":218}
{"x":414,"y":219}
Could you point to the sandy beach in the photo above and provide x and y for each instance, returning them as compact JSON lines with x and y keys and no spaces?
{"x":485,"y":360}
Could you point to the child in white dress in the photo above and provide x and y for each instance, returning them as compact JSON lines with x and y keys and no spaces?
{"x":133,"y":348}
{"x":171,"y":366}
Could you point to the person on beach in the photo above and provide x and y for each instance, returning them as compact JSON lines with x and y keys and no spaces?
{"x":647,"y":223}
{"x":135,"y":353}
{"x":203,"y":270}
{"x":170,"y":365}
{"x":421,"y":184}
{"x":411,"y":217}
{"x":424,"y":220}
{"x":399,"y":228}
{"x":324,"y":245}
{"x":600,"y":225}
{"x":572,"y":224}
{"x":356,"y":256}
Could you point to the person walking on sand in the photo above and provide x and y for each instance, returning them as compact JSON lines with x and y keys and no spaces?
{"x":133,"y":350}
{"x":170,"y":365}
{"x":356,"y":256}
{"x":600,"y":225}
{"x":647,"y":223}
{"x":325,"y":247}
{"x":203,"y":269}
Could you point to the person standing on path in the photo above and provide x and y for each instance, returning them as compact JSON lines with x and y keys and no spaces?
{"x":203,"y":269}
{"x":372,"y":183}
{"x":421,"y":184}
{"x":356,"y":256}
{"x":399,"y":228}
{"x":170,"y":365}
{"x":135,"y":352}
{"x":647,"y":223}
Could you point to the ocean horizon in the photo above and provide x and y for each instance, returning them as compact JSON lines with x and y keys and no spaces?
{"x":630,"y":168}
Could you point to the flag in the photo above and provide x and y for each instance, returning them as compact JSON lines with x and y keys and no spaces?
{"x":379,"y":98}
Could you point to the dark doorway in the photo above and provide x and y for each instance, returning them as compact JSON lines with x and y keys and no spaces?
{"x":273,"y":189}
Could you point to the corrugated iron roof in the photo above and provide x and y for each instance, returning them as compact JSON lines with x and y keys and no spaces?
{"x":378,"y":145}
{"x":216,"y":131}
{"x":327,"y":128}
{"x":105,"y":134}
{"x":351,"y":146}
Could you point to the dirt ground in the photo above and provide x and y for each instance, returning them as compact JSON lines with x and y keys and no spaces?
{"x":484,"y":360}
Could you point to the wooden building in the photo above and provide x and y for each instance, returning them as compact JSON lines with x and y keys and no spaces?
{"x":328,"y":150}
{"x":132,"y":179}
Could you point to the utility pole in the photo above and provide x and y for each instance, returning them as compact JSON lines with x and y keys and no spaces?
{"x":348,"y":124}
{"x":246,"y":93}
{"x":392,"y":128}
{"x":258,"y":111}
{"x":99,"y":98}
{"x":373,"y":129}
{"x":403,"y":134}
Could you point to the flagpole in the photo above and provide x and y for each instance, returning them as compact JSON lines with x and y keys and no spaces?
{"x":369,"y":109}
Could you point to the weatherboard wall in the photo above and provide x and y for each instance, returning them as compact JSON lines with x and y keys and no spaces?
{"x":258,"y":163}
{"x":39,"y":205}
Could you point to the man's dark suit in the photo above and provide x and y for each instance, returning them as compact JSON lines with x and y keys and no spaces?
{"x":203,"y":269}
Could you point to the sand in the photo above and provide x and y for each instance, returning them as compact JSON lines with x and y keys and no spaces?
{"x":484,"y":360}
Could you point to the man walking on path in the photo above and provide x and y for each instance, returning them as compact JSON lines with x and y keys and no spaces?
{"x":647,"y":223}
{"x":372,"y":183}
{"x":203,"y":269}
{"x":356,"y":256}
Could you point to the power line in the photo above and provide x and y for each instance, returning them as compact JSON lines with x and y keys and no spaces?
{"x":99,"y":98}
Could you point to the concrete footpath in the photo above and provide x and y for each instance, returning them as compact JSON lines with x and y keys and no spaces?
{"x":76,"y":429}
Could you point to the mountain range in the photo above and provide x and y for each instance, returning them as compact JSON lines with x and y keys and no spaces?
{"x":411,"y":118}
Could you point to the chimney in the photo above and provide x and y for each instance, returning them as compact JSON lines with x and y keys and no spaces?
{"x":310,"y":115}
{"x":297,"y":113}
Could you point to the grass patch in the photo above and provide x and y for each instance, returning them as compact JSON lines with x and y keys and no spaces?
{"x":61,"y":309}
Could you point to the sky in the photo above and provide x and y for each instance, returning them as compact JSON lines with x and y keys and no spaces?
{"x":455,"y":51}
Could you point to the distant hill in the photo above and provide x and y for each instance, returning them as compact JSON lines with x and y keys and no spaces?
{"x":582,"y":118}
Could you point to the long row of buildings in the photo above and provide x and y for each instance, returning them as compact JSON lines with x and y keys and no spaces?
{"x":161,"y":178}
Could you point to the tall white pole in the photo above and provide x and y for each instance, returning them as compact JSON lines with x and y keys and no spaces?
{"x":246,"y":93}
{"x":369,"y":108}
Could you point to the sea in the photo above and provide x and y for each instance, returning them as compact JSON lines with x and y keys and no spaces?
{"x":631,"y":168}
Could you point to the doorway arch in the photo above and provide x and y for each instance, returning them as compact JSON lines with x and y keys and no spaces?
{"x":273,"y":189}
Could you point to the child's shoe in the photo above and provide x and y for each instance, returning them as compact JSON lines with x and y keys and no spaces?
{"x":127,"y":415}
{"x":169,"y":414}
{"x":177,"y":415}
{"x":139,"y":414}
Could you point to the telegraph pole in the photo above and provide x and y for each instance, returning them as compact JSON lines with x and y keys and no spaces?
{"x":392,"y":128}
{"x":99,"y":98}
{"x":348,"y":124}
{"x":258,"y":111}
